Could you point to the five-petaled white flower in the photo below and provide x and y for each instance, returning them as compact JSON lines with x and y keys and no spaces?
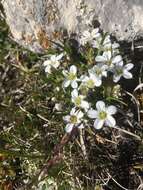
{"x":121,"y":70}
{"x":88,"y":36}
{"x":70,"y":77}
{"x":103,"y":115}
{"x":79,"y":101}
{"x":53,"y":61}
{"x":108,"y":59}
{"x":90,"y":81}
{"x":99,"y":70}
{"x":106,"y":44}
{"x":101,"y":44}
{"x":73,"y":120}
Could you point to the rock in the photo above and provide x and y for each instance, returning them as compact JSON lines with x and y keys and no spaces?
{"x":34,"y":22}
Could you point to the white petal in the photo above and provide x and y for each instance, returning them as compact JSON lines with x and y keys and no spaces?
{"x":97,"y":35}
{"x":82,"y":41}
{"x":73,"y":111}
{"x":81,"y":126}
{"x":65,"y":73}
{"x":98,"y":81}
{"x":111,"y":110}
{"x":95,"y":44}
{"x":83,"y":78}
{"x":48,"y":69}
{"x":127,"y":74}
{"x":115,"y":45}
{"x":59,"y":57}
{"x":107,"y":46}
{"x":80,"y":114}
{"x":85,"y":104}
{"x":100,"y":105}
{"x":91,"y":74}
{"x":104,"y":73}
{"x":92,"y":70}
{"x":92,"y":114}
{"x":74,"y":84}
{"x":116,"y":78}
{"x":98,"y":124}
{"x":100,"y":58}
{"x":107,"y":54}
{"x":117,"y":59}
{"x":69,"y":128}
{"x":103,"y":67}
{"x":110,"y":121}
{"x":86,"y":33}
{"x":56,"y":64}
{"x":129,"y":66}
{"x":107,"y":39}
{"x":74,"y":93}
{"x":73,"y":69}
{"x":95,"y":31}
{"x":66,"y":83}
{"x":119,"y":64}
{"x":53,"y":58}
{"x":47,"y":62}
{"x":66,"y":118}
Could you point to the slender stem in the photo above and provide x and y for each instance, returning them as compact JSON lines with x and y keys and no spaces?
{"x":83,"y":148}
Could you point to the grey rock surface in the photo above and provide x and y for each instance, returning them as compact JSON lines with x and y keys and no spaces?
{"x":34,"y":22}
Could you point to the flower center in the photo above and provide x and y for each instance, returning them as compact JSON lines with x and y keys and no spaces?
{"x":78,"y":101}
{"x":54,"y":62}
{"x":90,"y":83}
{"x":73,"y":119}
{"x":107,"y":48}
{"x":98,"y":71}
{"x":71,"y":76}
{"x":119,"y":71}
{"x":102,"y":115}
{"x":109,"y":62}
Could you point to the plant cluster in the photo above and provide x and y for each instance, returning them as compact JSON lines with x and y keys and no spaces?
{"x":89,"y":83}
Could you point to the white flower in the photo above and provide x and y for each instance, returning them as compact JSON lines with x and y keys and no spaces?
{"x":99,"y":70}
{"x":117,"y":59}
{"x":106,"y":44}
{"x":107,"y":58}
{"x":90,"y":81}
{"x":88,"y":36}
{"x":78,"y":100}
{"x":121,"y":70}
{"x":97,"y":43}
{"x":53,"y":61}
{"x":101,"y":44}
{"x":71,"y":77}
{"x":115,"y":45}
{"x":73,"y":120}
{"x":103,"y":115}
